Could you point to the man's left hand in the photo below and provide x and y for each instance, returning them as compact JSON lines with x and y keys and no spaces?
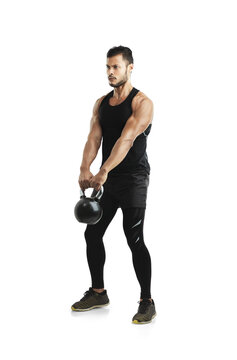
{"x":99,"y":179}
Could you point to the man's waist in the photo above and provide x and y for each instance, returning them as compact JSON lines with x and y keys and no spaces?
{"x":132,"y":172}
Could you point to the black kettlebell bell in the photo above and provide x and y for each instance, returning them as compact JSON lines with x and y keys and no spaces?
{"x":88,"y":209}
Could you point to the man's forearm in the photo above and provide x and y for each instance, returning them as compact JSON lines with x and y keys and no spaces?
{"x":89,"y":154}
{"x":118,"y":153}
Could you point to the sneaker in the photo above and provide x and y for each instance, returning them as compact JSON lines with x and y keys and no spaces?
{"x":91,"y":300}
{"x":146,"y":312}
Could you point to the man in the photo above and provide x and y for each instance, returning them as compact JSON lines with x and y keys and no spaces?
{"x":123,"y":119}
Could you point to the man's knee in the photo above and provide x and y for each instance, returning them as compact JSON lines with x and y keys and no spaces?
{"x":133,"y":219}
{"x":91,"y":234}
{"x":134,"y":235}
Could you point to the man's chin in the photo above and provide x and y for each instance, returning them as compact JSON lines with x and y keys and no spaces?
{"x":114,"y":85}
{"x":118,"y":84}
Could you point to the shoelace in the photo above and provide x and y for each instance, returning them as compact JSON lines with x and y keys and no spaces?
{"x":87,"y":294}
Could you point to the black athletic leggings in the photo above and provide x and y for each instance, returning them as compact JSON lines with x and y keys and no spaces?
{"x":133,"y":219}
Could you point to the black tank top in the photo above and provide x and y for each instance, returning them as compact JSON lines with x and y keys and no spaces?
{"x":112,"y":120}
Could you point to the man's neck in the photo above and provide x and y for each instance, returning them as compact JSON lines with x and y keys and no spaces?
{"x":122,"y":91}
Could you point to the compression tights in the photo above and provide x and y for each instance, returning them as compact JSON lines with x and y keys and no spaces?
{"x":133,"y":220}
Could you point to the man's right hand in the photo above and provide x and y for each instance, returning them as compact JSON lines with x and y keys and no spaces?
{"x":84,"y":179}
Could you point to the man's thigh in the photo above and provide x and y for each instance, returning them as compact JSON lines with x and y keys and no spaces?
{"x":109,"y":206}
{"x":130,"y":190}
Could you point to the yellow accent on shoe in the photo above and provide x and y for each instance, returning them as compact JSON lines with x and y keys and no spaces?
{"x":92,"y":307}
{"x":143,"y":322}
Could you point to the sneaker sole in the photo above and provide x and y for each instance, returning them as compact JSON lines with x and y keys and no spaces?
{"x":144,"y":322}
{"x":92,"y":307}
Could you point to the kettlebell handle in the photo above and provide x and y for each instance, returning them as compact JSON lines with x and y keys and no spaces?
{"x":96,"y":194}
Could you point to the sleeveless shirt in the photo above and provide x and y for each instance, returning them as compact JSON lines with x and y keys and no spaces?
{"x":112,"y":121}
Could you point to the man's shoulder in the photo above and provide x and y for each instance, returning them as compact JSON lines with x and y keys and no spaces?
{"x":103,"y":96}
{"x":99,"y":101}
{"x":140,"y":98}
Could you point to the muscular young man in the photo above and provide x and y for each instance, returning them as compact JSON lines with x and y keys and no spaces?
{"x":122,"y":119}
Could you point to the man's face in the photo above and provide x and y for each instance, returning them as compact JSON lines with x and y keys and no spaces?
{"x":118,"y":71}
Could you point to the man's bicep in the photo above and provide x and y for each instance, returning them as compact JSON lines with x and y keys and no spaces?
{"x":138,"y":122}
{"x":95,"y":128}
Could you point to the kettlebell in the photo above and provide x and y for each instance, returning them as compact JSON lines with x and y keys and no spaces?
{"x":88,"y":209}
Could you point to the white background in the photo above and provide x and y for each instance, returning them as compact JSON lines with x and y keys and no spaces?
{"x":53,"y":56}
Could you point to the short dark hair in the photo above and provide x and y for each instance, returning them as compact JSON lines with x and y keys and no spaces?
{"x":125,"y":51}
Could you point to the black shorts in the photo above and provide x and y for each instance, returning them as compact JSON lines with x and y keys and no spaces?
{"x":126,"y":190}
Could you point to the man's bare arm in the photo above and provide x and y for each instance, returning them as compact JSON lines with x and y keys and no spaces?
{"x":94,"y":138}
{"x":135,"y":125}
